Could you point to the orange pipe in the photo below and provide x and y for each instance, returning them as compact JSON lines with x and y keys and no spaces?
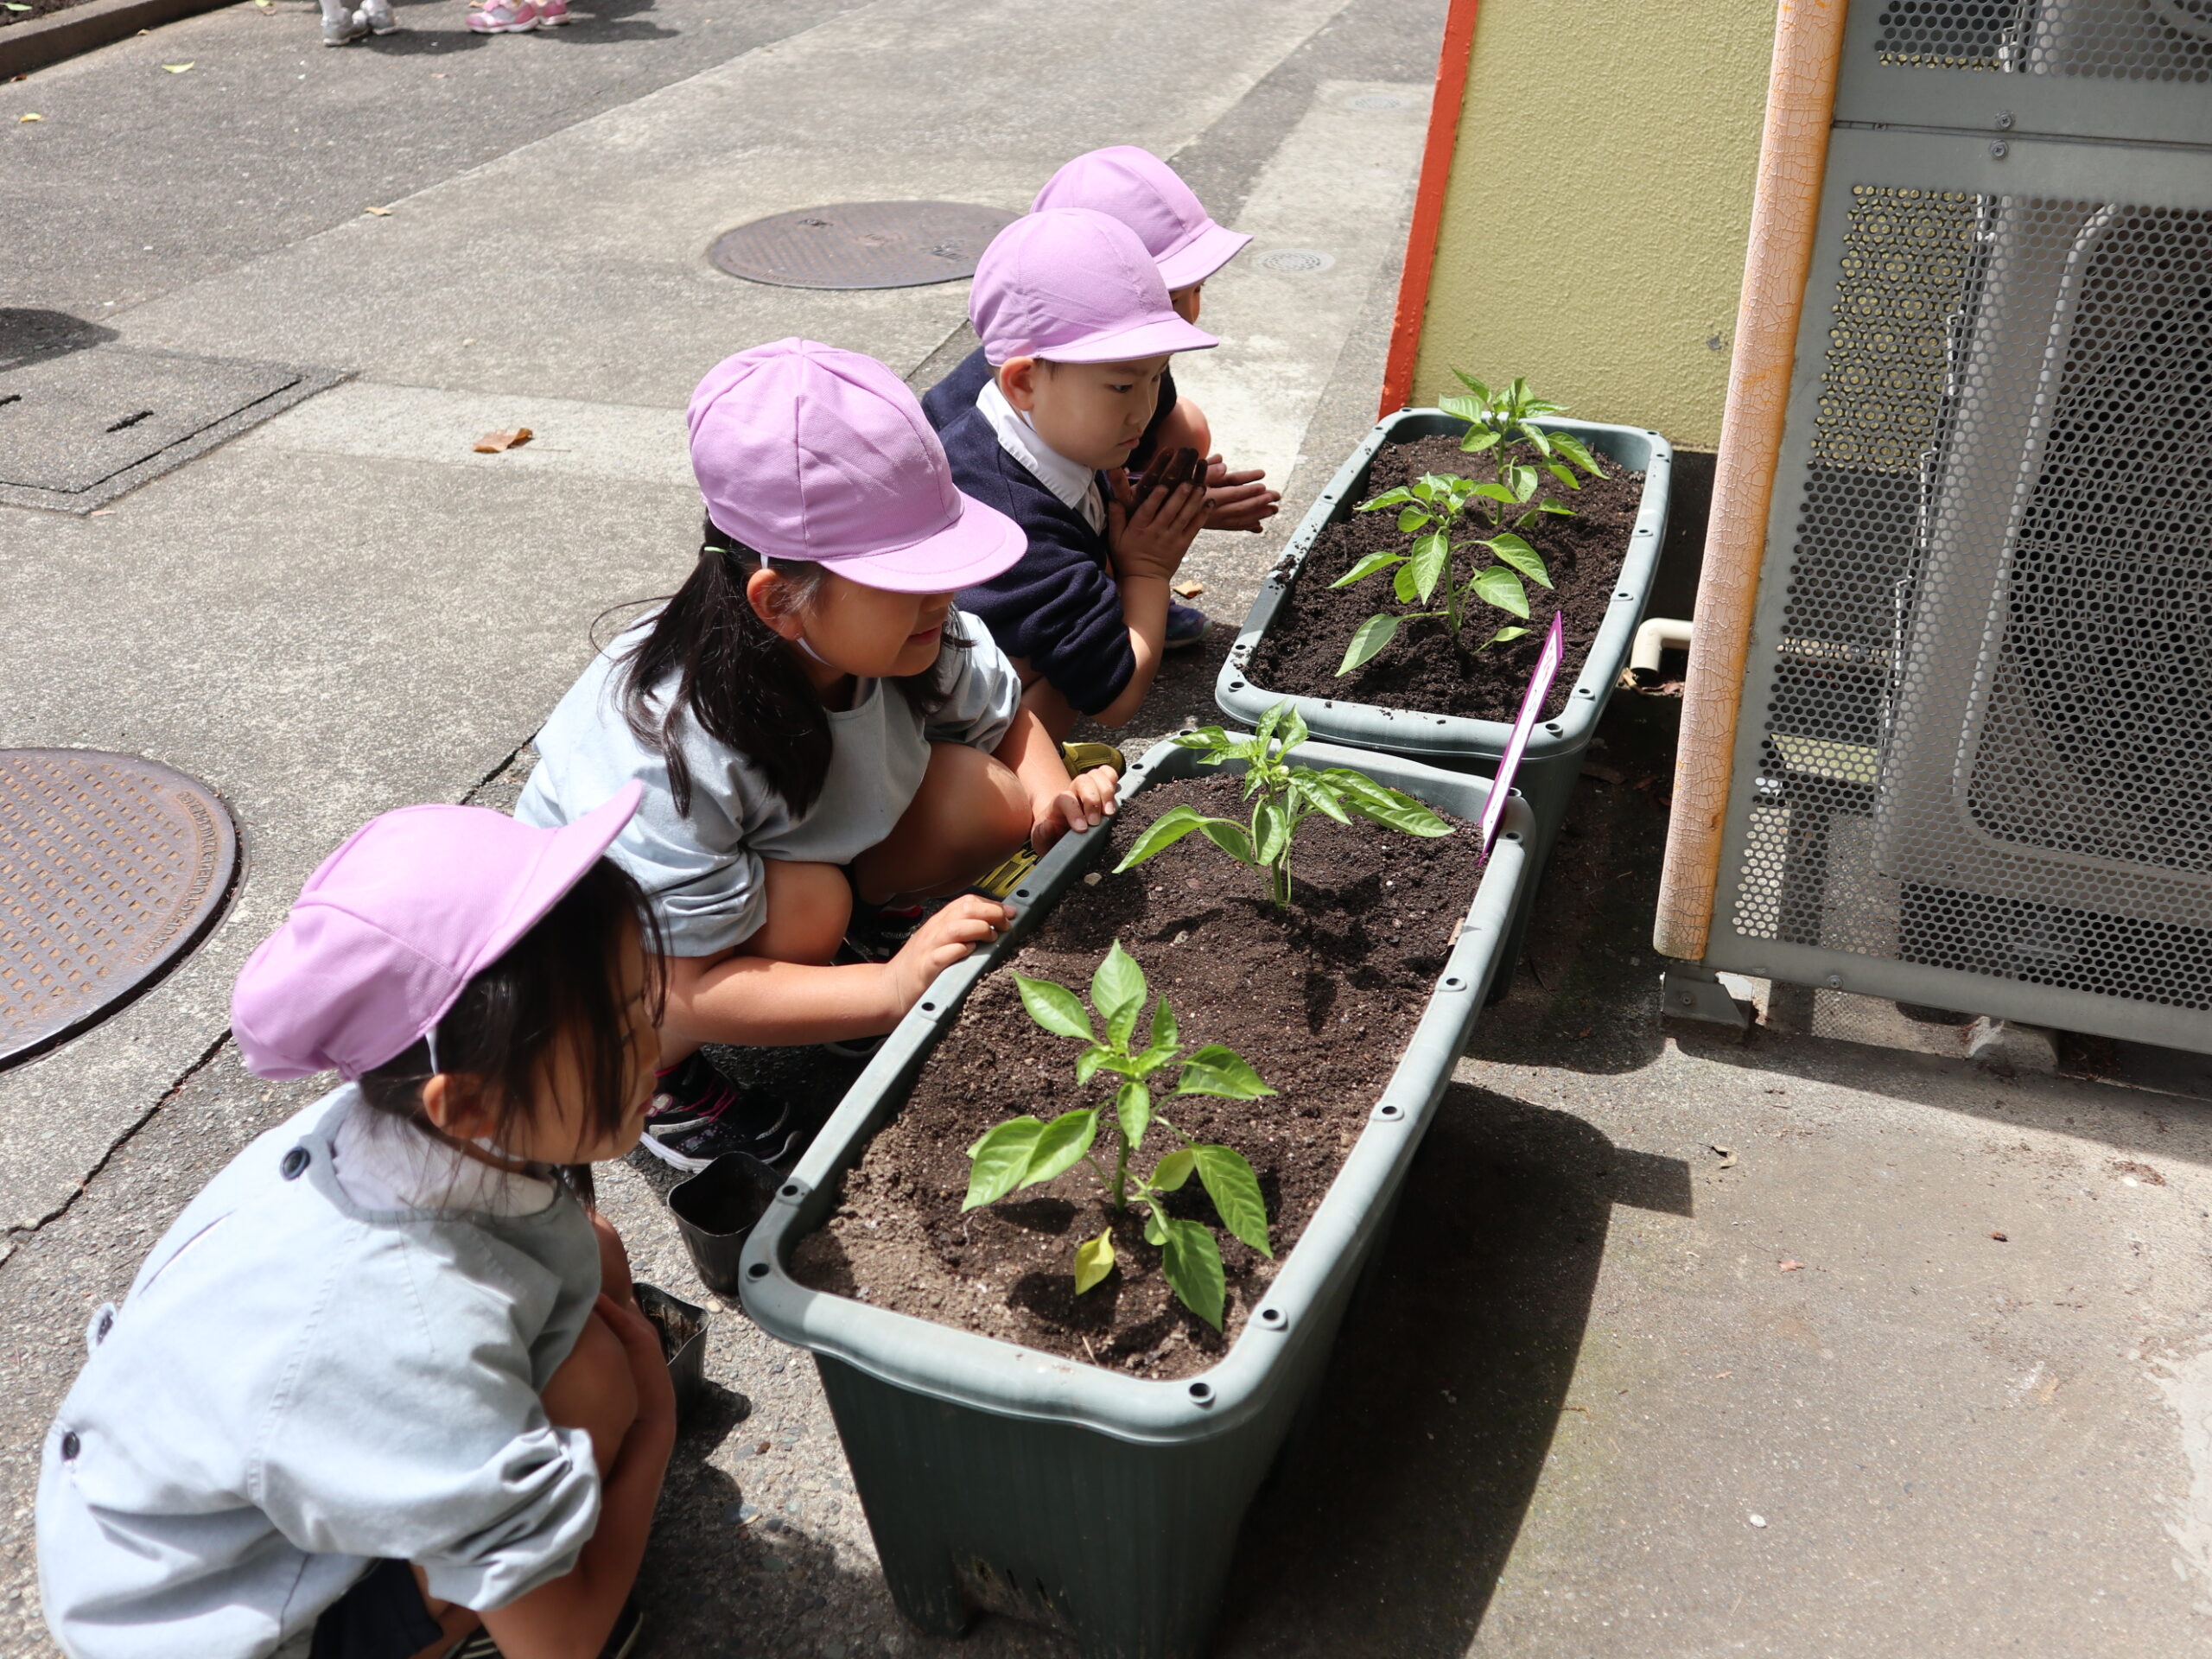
{"x":1793,"y":158}
{"x":1428,"y":203}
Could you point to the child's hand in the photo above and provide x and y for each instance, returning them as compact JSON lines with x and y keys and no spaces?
{"x":946,"y":938}
{"x":1087,"y":801}
{"x":1237,"y":500}
{"x":1151,"y":540}
{"x":648,"y":1366}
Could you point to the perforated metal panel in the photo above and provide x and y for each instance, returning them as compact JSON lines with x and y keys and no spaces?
{"x":2129,"y":40}
{"x":1974,"y":763}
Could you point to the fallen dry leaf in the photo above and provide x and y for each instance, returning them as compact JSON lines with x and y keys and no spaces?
{"x":381,"y":213}
{"x":1603,"y":774}
{"x":30,"y":117}
{"x":1788,"y":1265}
{"x":492,"y":443}
{"x":177,"y":68}
{"x":1727,"y":1155}
{"x":1190,"y":589}
{"x":2000,"y":1238}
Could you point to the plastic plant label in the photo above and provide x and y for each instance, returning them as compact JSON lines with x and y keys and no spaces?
{"x":1532,"y":704}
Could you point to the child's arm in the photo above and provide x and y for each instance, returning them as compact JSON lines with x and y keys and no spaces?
{"x":1149,"y":542}
{"x":1237,"y":500}
{"x":571,"y":1617}
{"x":1057,"y":803}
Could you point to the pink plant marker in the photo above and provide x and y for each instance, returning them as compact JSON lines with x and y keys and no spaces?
{"x":1532,"y":704}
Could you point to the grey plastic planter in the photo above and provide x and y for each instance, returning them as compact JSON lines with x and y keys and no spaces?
{"x":1553,"y":761}
{"x":997,"y":1478}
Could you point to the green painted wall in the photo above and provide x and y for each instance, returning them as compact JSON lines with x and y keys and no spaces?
{"x":1600,"y":202}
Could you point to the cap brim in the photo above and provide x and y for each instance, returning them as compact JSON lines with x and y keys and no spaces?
{"x":1155,"y":337}
{"x":570,"y":850}
{"x":1207,"y":252}
{"x":981,"y":543}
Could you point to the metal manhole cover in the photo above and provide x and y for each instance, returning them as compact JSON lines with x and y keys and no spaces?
{"x":1297,"y":262}
{"x":863,"y":244}
{"x":110,"y":868}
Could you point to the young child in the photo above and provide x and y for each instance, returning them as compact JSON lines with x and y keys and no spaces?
{"x":1143,"y":191}
{"x":821,"y":736}
{"x":1075,"y":320}
{"x":384,"y":1383}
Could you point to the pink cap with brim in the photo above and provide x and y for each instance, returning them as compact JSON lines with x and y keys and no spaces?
{"x":388,"y":932}
{"x":805,"y":452}
{"x":1137,"y":188}
{"x":1074,"y":286}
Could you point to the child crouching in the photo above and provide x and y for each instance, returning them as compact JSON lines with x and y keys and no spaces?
{"x":383,"y":1382}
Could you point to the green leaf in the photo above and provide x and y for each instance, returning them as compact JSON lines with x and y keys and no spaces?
{"x":1477,"y":440}
{"x":1265,"y":727}
{"x":1061,"y":1146}
{"x":1309,"y":786}
{"x":1087,"y":1063}
{"x":1500,"y":586}
{"x":1366,"y":641}
{"x":1235,"y":1191}
{"x":1055,"y":1007}
{"x":1555,"y":509}
{"x":1231,"y":836}
{"x":1094,"y":1259}
{"x":1133,"y":1105}
{"x":1431,"y":554}
{"x":1171,"y":1172}
{"x":1437,"y":483}
{"x":1387,"y":498}
{"x":1539,"y":440}
{"x":1293,"y":730}
{"x":1467,"y":408}
{"x":1402,"y":584}
{"x":1211,"y":739}
{"x":1412,"y":520}
{"x":1565,"y":474}
{"x":1367,"y":566}
{"x":1423,"y":489}
{"x":1475,"y":387}
{"x":1165,"y":1033}
{"x":1214,"y":1070}
{"x":1153,"y":1233}
{"x":1191,"y":1261}
{"x":1501,"y":636}
{"x":1495,"y":493}
{"x":1167,"y":829}
{"x":1388,"y":807}
{"x":1117,"y":992}
{"x":1521,"y":478}
{"x":1000,"y":1160}
{"x":1270,"y":832}
{"x":1511,"y":550}
{"x":1573,"y":449}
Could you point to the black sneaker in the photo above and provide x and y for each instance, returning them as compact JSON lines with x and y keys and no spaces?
{"x":698,"y":1114}
{"x":621,"y":1641}
{"x":879,"y":932}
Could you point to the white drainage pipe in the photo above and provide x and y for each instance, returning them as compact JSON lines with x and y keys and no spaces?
{"x":1658,"y":633}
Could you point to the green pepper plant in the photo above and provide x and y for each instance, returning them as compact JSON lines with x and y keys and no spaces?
{"x":1024,"y":1151}
{"x":1284,"y":797}
{"x":1431,"y":510}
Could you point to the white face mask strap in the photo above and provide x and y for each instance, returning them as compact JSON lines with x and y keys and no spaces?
{"x":431,"y":1042}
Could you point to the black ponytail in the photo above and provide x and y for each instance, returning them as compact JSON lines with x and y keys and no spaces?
{"x":708,"y":654}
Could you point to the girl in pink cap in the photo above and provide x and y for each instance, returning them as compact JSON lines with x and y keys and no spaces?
{"x":385,"y":1387}
{"x":824,"y":740}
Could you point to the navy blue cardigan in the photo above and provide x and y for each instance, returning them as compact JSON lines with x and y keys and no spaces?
{"x":954,"y":396}
{"x":1059,"y":607}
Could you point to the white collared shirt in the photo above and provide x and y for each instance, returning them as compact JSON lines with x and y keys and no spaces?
{"x":1074,"y":483}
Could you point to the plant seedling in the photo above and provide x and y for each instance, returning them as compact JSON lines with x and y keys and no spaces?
{"x":1284,"y":797}
{"x":1024,"y":1151}
{"x":1432,"y":508}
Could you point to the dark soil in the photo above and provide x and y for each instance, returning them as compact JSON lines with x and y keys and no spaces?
{"x":1321,"y":1002}
{"x":1424,"y":668}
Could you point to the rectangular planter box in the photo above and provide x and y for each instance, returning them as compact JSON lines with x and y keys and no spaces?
{"x":1553,"y":761}
{"x":997,"y":1478}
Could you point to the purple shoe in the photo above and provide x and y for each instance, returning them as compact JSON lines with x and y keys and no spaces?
{"x":1186,"y":626}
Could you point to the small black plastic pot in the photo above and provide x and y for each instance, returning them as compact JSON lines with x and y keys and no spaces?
{"x":683,"y":1327}
{"x":714,"y":1210}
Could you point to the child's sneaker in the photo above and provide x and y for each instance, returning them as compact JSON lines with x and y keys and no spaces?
{"x":551,"y":14}
{"x":1011,"y":873}
{"x":342,"y":27}
{"x":1186,"y":626}
{"x":504,"y":17}
{"x":697,"y":1114}
{"x":879,"y":932}
{"x":375,"y":16}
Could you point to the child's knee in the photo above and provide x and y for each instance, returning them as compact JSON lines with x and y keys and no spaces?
{"x":594,"y":1390}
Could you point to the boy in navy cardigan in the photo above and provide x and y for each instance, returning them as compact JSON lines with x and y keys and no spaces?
{"x":1143,"y":191}
{"x":1076,"y":321}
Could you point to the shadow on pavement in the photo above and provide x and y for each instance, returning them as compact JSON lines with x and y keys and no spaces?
{"x":1389,"y":1522}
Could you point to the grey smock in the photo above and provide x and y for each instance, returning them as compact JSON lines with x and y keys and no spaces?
{"x":296,"y":1388}
{"x":701,"y":870}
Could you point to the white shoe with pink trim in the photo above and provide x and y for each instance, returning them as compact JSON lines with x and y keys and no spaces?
{"x":504,"y":17}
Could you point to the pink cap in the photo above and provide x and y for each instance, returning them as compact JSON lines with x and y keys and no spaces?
{"x":806,"y":452}
{"x":395,"y":924}
{"x":1075,"y":286}
{"x":1137,"y":188}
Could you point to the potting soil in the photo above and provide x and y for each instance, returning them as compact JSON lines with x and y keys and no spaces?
{"x":1321,"y":1002}
{"x":1424,"y":667}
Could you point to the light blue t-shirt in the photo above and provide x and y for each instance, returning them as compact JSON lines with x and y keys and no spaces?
{"x":296,"y":1387}
{"x":701,"y":870}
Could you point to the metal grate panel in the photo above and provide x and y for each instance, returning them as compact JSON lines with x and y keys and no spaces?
{"x":2111,"y":40}
{"x":1977,"y":733}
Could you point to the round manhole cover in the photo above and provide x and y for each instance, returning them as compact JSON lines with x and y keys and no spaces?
{"x":863,"y":244}
{"x":110,"y":867}
{"x":1297,"y":262}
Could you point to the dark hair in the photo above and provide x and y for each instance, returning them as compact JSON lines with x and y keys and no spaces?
{"x":741,"y":680}
{"x":561,"y":981}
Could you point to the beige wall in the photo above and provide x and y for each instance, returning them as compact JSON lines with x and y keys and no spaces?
{"x":1600,"y":197}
